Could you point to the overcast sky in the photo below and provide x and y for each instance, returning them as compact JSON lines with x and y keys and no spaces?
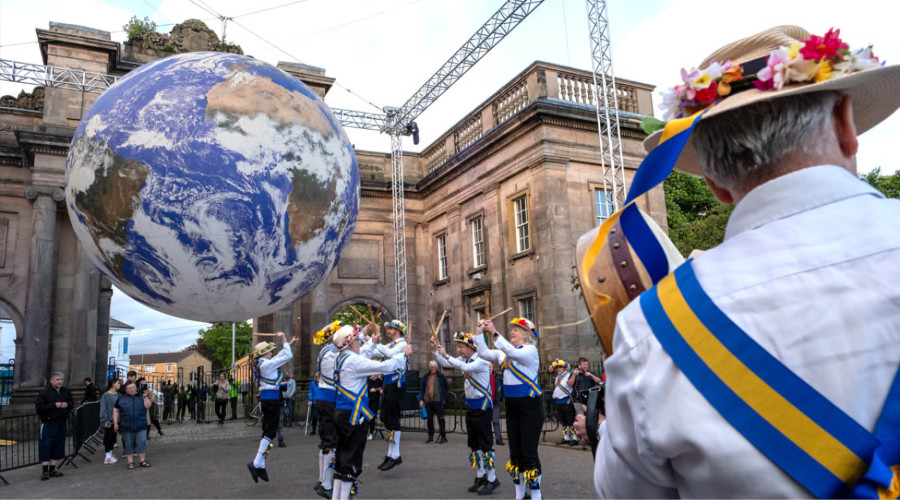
{"x":384,"y":50}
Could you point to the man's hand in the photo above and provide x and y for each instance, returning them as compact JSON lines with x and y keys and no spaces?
{"x":294,"y":340}
{"x":489,"y":327}
{"x":421,"y":404}
{"x":581,"y":428}
{"x":280,"y":336}
{"x":116,"y":426}
{"x":407,"y":350}
{"x":376,"y":337}
{"x":442,"y":351}
{"x":309,"y":403}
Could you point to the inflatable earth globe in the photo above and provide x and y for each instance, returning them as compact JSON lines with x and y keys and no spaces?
{"x":212,"y":186}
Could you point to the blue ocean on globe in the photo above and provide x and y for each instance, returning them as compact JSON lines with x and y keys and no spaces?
{"x":212,"y":186}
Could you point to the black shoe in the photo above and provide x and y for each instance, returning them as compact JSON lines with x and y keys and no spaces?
{"x":442,"y":440}
{"x":479,"y":482}
{"x":159,"y":433}
{"x":384,"y":462}
{"x":45,"y":476}
{"x":527,"y":496}
{"x":56,"y":473}
{"x":500,"y":442}
{"x":573,"y":442}
{"x":489,"y":488}
{"x":316,"y":487}
{"x":253,"y":472}
{"x":562,"y":441}
{"x":429,"y":440}
{"x":324,"y":493}
{"x":262,"y":474}
{"x":281,"y":444}
{"x":313,"y":433}
{"x":392,"y":463}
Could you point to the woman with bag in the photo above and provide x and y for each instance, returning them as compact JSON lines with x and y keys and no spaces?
{"x":107,"y":403}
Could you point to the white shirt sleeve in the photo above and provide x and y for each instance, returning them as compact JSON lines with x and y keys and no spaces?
{"x":442,"y":360}
{"x":518,"y":355}
{"x":488,"y":354}
{"x":389,"y":352}
{"x":368,"y":349}
{"x":282,"y":357}
{"x":367,"y":367}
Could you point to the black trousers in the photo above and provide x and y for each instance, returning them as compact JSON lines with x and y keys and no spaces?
{"x":566,"y":412}
{"x":390,"y":411}
{"x":478,"y":427}
{"x":270,"y":409}
{"x":374,"y":404}
{"x":348,"y":458}
{"x":435,"y":409}
{"x":524,"y":420}
{"x":167,"y":410}
{"x":221,"y":409}
{"x":201,"y":410}
{"x":109,"y":438}
{"x":328,"y":437}
{"x":234,"y":407}
{"x":181,"y":407}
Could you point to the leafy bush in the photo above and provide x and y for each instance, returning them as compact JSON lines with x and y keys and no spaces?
{"x":136,"y":29}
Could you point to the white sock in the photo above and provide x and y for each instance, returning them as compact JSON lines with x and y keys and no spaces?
{"x":321,"y":466}
{"x":480,"y":473}
{"x":346,"y":486}
{"x":328,"y":476}
{"x":108,"y":454}
{"x":337,"y":490}
{"x":396,"y":445}
{"x":492,"y":476}
{"x":260,"y":460}
{"x":520,"y":490}
{"x":536,"y":493}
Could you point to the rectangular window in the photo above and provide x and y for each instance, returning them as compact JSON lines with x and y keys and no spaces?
{"x":442,"y":256}
{"x":526,"y":308}
{"x":479,"y":315}
{"x":169,"y":367}
{"x":520,"y":209}
{"x":478,"y":242}
{"x":446,"y":337}
{"x":125,"y":345}
{"x":151,"y":368}
{"x":603,"y":205}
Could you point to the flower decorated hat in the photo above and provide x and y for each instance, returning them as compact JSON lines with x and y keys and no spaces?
{"x":262,"y":348}
{"x":526,"y":324}
{"x":344,"y":335}
{"x":559,"y":364}
{"x":326,"y":333}
{"x":397,"y":325}
{"x":779,"y":62}
{"x":465,"y":338}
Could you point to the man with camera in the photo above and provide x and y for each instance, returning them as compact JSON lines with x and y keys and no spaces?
{"x":582,"y":382}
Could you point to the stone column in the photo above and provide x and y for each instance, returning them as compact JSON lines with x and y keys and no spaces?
{"x":32,"y":360}
{"x":102,"y":347}
{"x":83,"y":347}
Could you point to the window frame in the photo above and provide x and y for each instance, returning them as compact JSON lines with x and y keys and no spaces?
{"x":598,"y":196}
{"x":443,"y":268}
{"x":527,"y":298}
{"x":476,"y":263}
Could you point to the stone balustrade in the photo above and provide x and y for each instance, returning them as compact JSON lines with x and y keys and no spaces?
{"x":540,"y":81}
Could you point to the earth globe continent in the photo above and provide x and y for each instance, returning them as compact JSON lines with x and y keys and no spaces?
{"x":212,"y":187}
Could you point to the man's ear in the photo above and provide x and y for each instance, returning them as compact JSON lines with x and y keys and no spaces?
{"x":844,"y":127}
{"x":721,"y":193}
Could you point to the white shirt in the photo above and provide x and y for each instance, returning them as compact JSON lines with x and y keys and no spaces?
{"x":326,"y":366}
{"x":357,"y":369}
{"x":810,"y":269}
{"x":525,"y":358}
{"x":561,"y":385}
{"x":478,"y":369}
{"x":388,"y":351}
{"x":268,"y":368}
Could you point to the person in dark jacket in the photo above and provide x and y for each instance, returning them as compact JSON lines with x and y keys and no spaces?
{"x":432,"y":395}
{"x":53,"y":406}
{"x":497,"y":393}
{"x":130,"y":420}
{"x":374,"y":386}
{"x":90,"y":391}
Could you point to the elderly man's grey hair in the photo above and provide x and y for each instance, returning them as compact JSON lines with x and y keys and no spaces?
{"x":741,"y":149}
{"x":432,"y":363}
{"x":57,"y":374}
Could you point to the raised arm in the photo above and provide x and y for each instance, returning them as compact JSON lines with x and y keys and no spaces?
{"x":485,"y":353}
{"x":369,"y":367}
{"x":390,"y":352}
{"x":286,"y":353}
{"x":524,"y":355}
{"x":442,"y":360}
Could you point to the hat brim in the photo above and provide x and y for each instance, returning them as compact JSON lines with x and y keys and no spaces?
{"x":874,"y":93}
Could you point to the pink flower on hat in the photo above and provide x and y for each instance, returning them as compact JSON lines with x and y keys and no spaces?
{"x":830,"y":46}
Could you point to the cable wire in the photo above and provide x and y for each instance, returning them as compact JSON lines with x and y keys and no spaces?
{"x":270,"y":8}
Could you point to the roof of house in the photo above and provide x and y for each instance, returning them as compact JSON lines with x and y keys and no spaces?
{"x":114,"y":323}
{"x":162,"y":357}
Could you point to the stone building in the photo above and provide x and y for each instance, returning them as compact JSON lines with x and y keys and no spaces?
{"x":494,"y":208}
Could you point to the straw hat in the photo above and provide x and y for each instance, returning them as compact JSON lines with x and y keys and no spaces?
{"x":325,"y":334}
{"x":874,"y":89}
{"x":397,"y":325}
{"x":344,"y":336}
{"x":465,"y":338}
{"x":262,"y":348}
{"x":559,"y":364}
{"x":526,"y":324}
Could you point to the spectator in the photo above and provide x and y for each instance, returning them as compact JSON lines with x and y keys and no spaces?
{"x":312,"y":396}
{"x":374,"y":386}
{"x":497,"y":396}
{"x":432,"y":395}
{"x":153,"y":413}
{"x":582,"y":382}
{"x":233,"y":397}
{"x":169,"y":392}
{"x":290,"y":390}
{"x":53,"y":406}
{"x":131,"y":377}
{"x":182,"y":402}
{"x":245,"y":388}
{"x":202,"y":398}
{"x":90,"y":391}
{"x":130,"y":419}
{"x":192,"y":401}
{"x":107,"y":403}
{"x":223,"y":390}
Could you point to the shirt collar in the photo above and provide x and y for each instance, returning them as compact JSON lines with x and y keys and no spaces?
{"x":794,"y":193}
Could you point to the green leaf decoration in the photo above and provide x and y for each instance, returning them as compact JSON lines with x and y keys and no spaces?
{"x":651,"y":124}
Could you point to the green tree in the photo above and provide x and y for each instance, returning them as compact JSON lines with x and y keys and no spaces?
{"x":346,"y":316}
{"x":889,"y":185}
{"x":215,"y":343}
{"x":697,"y":220}
{"x":135,"y":28}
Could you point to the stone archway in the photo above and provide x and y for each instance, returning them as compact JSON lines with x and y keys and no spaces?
{"x":15,"y":316}
{"x":386,"y":313}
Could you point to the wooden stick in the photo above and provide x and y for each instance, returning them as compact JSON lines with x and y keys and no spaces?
{"x":378,"y":312}
{"x":361,"y":315}
{"x":499,"y":314}
{"x":266,"y":334}
{"x":434,"y":332}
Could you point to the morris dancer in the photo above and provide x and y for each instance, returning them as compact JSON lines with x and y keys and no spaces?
{"x":393,"y":390}
{"x":520,"y":362}
{"x":326,"y":397}
{"x":563,"y":398}
{"x":352,"y":370}
{"x":479,"y":411}
{"x":270,"y":379}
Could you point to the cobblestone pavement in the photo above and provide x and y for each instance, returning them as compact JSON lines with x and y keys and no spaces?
{"x":209,"y":461}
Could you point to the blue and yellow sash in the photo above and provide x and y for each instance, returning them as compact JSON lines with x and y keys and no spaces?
{"x":564,"y":388}
{"x":797,"y":428}
{"x":358,"y":403}
{"x":397,"y":376}
{"x":486,"y":400}
{"x":531,"y":382}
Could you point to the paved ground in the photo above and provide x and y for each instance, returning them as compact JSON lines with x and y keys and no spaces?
{"x":208,"y":461}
